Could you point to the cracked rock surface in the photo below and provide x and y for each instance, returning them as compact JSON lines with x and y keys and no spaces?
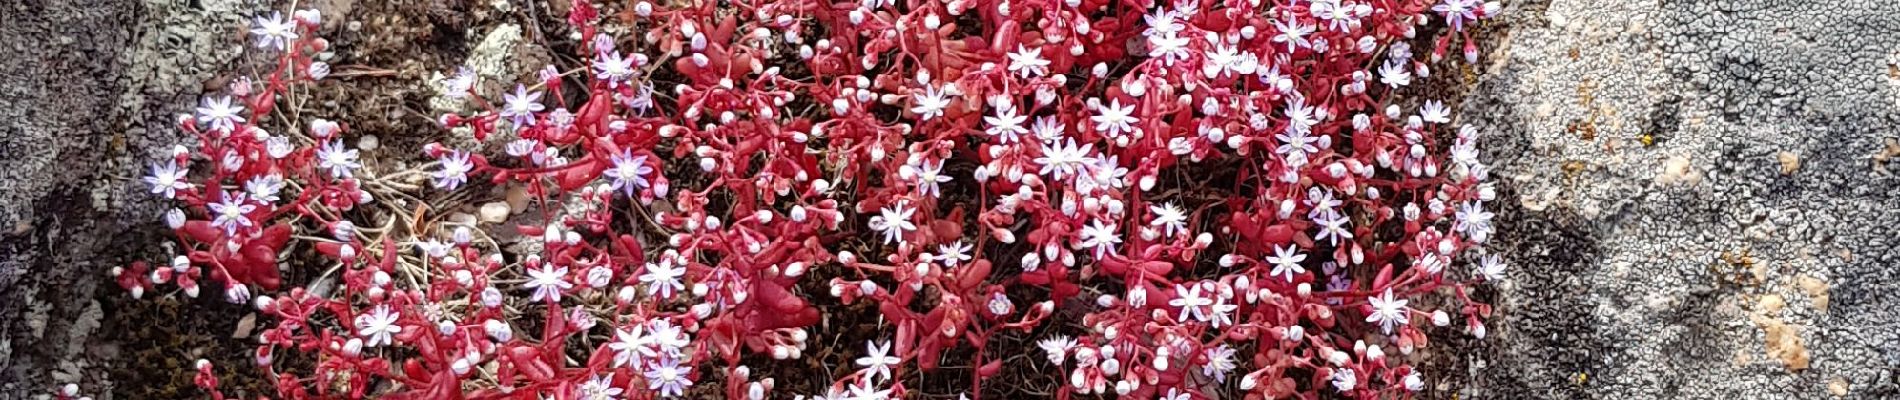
{"x":1699,"y":200}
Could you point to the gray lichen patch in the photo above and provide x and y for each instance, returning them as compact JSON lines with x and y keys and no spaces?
{"x":1693,"y":110}
{"x":500,"y":61}
{"x":92,"y":93}
{"x":494,"y":63}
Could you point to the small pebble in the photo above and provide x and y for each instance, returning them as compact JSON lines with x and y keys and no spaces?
{"x":495,"y":212}
{"x":368,"y":143}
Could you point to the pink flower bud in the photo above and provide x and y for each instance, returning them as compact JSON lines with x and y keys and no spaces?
{"x":353,"y":347}
{"x":323,"y":129}
{"x":491,"y":297}
{"x":599,"y":277}
{"x":237,"y":294}
{"x":755,"y":391}
{"x":263,"y":303}
{"x":498,"y":330}
{"x":175,"y":219}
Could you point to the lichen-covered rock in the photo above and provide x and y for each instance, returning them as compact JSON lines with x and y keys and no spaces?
{"x":1648,"y":142}
{"x":499,"y":60}
{"x":92,"y":91}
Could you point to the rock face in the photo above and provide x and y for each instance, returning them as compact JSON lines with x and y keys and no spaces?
{"x":1699,"y":202}
{"x":92,"y":90}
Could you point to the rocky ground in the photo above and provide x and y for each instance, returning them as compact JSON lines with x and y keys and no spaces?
{"x":1699,"y":202}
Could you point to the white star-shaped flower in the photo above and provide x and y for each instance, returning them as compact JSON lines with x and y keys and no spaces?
{"x":1220,"y":361}
{"x":930,"y":104}
{"x":953,"y":253}
{"x":1170,"y":48}
{"x":1168,"y":218}
{"x":613,"y":68}
{"x":548,"y":283}
{"x":1056,"y":349}
{"x":668,"y":337}
{"x":220,"y":115}
{"x":1296,"y":146}
{"x":893,"y":221}
{"x":663,"y":279}
{"x":1218,"y":315}
{"x":1188,"y":298}
{"x":630,"y":172}
{"x":1394,"y":74}
{"x":1286,"y":261}
{"x":600,"y":387}
{"x":863,"y":389}
{"x":459,"y":85}
{"x":929,"y":178}
{"x":878,"y":360}
{"x":168,"y":179}
{"x":1322,"y":202}
{"x":1387,"y":311}
{"x":1048,"y":129}
{"x":264,"y":188}
{"x":1101,"y":237}
{"x":1473,"y":220}
{"x":1338,"y":17}
{"x":1061,"y":161}
{"x":1006,"y":126}
{"x":1227,"y":58}
{"x":275,"y":32}
{"x":341,"y":162}
{"x":1332,"y":228}
{"x":1161,"y":22}
{"x":1115,"y":119}
{"x":631,"y":346}
{"x":1028,"y":62}
{"x":1456,"y":12}
{"x":232,"y":212}
{"x":1301,"y":116}
{"x":455,"y":169}
{"x":1344,"y":379}
{"x":1491,"y":267}
{"x":1293,"y":33}
{"x":668,"y":377}
{"x":519,"y":107}
{"x":377,"y":326}
{"x":1434,"y":111}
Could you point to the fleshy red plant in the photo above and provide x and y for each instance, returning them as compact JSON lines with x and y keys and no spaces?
{"x":1231,"y":187}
